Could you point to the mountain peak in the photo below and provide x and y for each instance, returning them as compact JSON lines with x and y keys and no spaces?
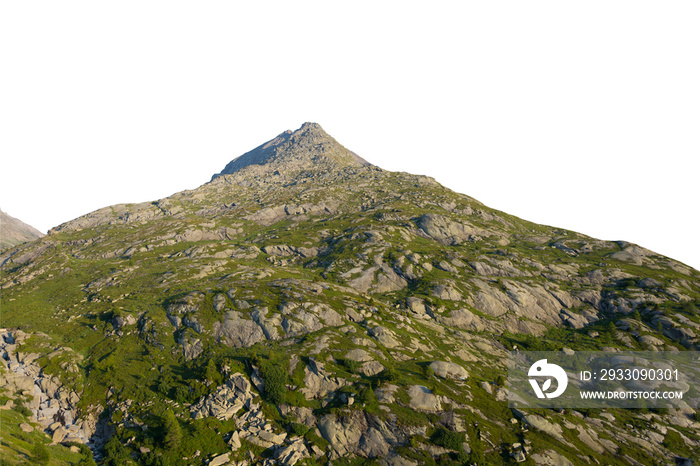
{"x":308,"y":147}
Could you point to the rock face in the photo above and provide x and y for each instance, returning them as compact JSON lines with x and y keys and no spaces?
{"x":14,"y":232}
{"x":318,"y":309}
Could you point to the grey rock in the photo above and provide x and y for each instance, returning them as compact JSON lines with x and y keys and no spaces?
{"x":417,"y":307}
{"x":219,"y":301}
{"x":191,"y":349}
{"x":236,"y":331}
{"x":385,"y":393}
{"x":289,"y":455}
{"x":318,"y":382}
{"x":358,"y":433}
{"x":384,"y":336}
{"x":447,"y":292}
{"x":26,"y":427}
{"x":226,"y":401}
{"x":541,"y":424}
{"x":447,"y":232}
{"x":449,"y":370}
{"x":550,"y":458}
{"x":220,"y":460}
{"x":358,"y":354}
{"x":423,"y":399}
{"x":371,"y":368}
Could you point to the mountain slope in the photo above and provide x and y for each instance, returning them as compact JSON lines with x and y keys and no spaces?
{"x":306,"y":304}
{"x":13,"y":231}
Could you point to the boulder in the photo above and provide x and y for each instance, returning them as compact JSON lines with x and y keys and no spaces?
{"x":541,"y":424}
{"x":446,"y":292}
{"x":237,"y":332}
{"x":384,"y":336}
{"x":235,"y":441}
{"x":26,"y":427}
{"x":358,"y":354}
{"x":417,"y":307}
{"x":220,"y":460}
{"x":551,"y":458}
{"x":225,"y":402}
{"x":357,"y":433}
{"x":423,"y":399}
{"x":289,"y":455}
{"x":447,"y":232}
{"x":371,"y":368}
{"x":318,"y":382}
{"x":449,"y":370}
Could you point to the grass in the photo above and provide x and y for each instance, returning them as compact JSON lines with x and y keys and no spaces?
{"x":18,"y":447}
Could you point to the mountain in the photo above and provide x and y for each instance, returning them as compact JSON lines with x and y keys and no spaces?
{"x":13,"y":231}
{"x":305,"y":306}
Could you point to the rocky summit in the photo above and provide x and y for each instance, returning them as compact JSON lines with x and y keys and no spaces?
{"x":307,"y":307}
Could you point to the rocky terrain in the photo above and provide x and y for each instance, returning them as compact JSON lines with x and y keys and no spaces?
{"x":306,"y":306}
{"x":14,"y":232}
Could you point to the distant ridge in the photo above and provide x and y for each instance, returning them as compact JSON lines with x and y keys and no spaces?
{"x":308,"y":146}
{"x":14,"y":231}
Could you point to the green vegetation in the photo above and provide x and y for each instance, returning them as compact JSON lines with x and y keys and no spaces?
{"x":448,"y":439}
{"x":275,"y":383}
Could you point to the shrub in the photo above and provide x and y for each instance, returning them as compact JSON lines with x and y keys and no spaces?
{"x":367,"y":396}
{"x":275,"y":383}
{"x":154,"y":459}
{"x":212,"y":373}
{"x":298,"y":429}
{"x":448,"y":439}
{"x":390,"y":374}
{"x":172,"y":434}
{"x":181,"y":394}
{"x":351,"y":365}
{"x":40,"y":453}
{"x":23,"y":410}
{"x":115,"y":454}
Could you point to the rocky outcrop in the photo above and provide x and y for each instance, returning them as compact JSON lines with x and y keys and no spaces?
{"x":236,"y":331}
{"x":53,"y":405}
{"x":226,"y":401}
{"x":360,"y":434}
{"x":446,"y":231}
{"x":318,"y":382}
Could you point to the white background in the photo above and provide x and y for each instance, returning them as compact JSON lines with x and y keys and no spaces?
{"x":582,"y":115}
